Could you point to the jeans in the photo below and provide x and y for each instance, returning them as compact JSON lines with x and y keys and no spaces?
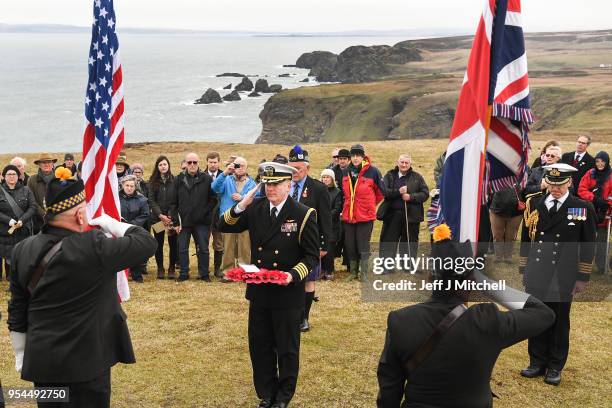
{"x":201,"y":235}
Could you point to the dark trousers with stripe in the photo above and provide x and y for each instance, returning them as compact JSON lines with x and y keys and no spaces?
{"x":274,"y":345}
{"x":95,"y":393}
{"x":550,"y":348}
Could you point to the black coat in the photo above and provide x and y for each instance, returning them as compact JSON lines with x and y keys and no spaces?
{"x":336,"y":198}
{"x":75,"y":326}
{"x":195,"y":200}
{"x":162,"y":198}
{"x":134,"y":208}
{"x":24,"y":198}
{"x":315,"y":195}
{"x":505,"y":202}
{"x":417,"y":188}
{"x":584,"y":165}
{"x":534,"y":182}
{"x":561,"y":249}
{"x":290,"y":244}
{"x":458,"y":370}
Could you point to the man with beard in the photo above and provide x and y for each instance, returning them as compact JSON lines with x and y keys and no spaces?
{"x":38,"y":185}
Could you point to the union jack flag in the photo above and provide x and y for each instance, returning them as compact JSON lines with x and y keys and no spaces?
{"x":104,"y":133}
{"x":489,"y":141}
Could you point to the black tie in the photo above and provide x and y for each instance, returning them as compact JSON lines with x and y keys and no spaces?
{"x":273,"y":212}
{"x":553,"y":209}
{"x":295,"y":192}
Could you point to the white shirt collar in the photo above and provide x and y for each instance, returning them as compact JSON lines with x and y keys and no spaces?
{"x":561,"y":200}
{"x":579,"y":156}
{"x":278,"y":207}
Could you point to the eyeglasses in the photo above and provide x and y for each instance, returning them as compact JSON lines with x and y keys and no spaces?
{"x":192,"y":162}
{"x":11,"y":174}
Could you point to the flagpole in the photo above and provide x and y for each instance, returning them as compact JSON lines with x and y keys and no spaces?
{"x":483,"y":161}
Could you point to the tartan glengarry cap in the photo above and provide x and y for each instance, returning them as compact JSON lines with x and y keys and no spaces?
{"x":272,"y":172}
{"x":297,"y":154}
{"x":558,"y":173}
{"x":63,"y":192}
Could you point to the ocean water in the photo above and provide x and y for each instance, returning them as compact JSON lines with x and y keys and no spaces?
{"x":43,"y":79}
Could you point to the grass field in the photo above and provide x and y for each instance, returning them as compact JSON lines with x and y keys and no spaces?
{"x":191,"y":338}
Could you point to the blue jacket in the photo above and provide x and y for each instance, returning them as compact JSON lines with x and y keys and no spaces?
{"x":225,"y":186}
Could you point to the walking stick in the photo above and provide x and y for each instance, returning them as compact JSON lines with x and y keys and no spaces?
{"x":609,"y":217}
{"x":407,"y":232}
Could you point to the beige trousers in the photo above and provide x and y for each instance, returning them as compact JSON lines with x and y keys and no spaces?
{"x":504,"y":234}
{"x":236,"y":249}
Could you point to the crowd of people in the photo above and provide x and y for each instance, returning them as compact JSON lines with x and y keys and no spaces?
{"x":189,"y":205}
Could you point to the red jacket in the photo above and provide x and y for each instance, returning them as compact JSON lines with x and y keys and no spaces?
{"x":361,"y":199}
{"x":585,"y":190}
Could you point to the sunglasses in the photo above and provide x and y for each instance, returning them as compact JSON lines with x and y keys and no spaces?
{"x":550,"y":155}
{"x":192,"y":162}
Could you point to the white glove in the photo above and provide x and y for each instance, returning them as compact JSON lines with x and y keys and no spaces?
{"x":19,"y":341}
{"x":12,"y":222}
{"x":111,"y":225}
{"x":510,"y":298}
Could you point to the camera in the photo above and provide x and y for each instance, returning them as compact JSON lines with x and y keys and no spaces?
{"x":236,"y":165}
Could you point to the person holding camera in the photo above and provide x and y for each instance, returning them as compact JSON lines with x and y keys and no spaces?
{"x":231,"y":186}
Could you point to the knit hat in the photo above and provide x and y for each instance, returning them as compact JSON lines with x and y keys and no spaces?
{"x":604,"y":156}
{"x":9,"y":168}
{"x":329,"y":173}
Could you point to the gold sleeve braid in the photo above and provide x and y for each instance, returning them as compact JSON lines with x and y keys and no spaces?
{"x":302,"y":270}
{"x":228,"y":218}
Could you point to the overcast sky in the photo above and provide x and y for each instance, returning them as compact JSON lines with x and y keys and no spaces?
{"x":309,"y":15}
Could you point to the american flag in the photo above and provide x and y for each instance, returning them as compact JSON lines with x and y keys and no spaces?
{"x":489,"y":140}
{"x":104,"y":133}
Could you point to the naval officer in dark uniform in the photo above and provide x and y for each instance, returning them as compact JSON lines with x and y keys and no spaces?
{"x":454,"y":369}
{"x":284,"y":236}
{"x":556,"y":256}
{"x":66,"y":324}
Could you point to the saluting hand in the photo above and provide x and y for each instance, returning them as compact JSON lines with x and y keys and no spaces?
{"x":248,"y":198}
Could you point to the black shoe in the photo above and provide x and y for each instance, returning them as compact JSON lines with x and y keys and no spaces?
{"x":182,"y":278}
{"x":265,"y":403}
{"x":553,"y":377}
{"x":204,"y":278}
{"x":138,"y":280}
{"x":305,"y":326}
{"x":533,"y":371}
{"x":280,"y":405}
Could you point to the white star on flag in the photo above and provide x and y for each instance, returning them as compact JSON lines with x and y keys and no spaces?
{"x":111,"y":23}
{"x":98,"y":3}
{"x":110,"y":91}
{"x":105,"y":39}
{"x":87,"y":100}
{"x":95,"y":46}
{"x":97,"y":96}
{"x":100,"y":55}
{"x":103,"y":81}
{"x":107,"y":66}
{"x":92,"y":86}
{"x":103,"y":12}
{"x":91,"y":60}
{"x":105,"y":106}
{"x":99,"y":122}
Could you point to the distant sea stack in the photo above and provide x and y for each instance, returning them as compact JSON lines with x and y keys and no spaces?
{"x":210,"y":96}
